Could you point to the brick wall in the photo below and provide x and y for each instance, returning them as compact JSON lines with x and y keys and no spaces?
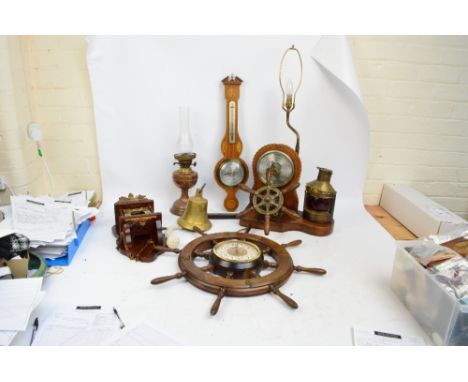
{"x":61,"y":93}
{"x":45,"y":79}
{"x":19,"y":163}
{"x":416,"y":92}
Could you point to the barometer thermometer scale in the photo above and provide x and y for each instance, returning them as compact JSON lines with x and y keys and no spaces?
{"x":231,"y":170}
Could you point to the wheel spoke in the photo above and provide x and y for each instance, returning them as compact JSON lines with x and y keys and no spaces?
{"x":245,"y":212}
{"x":269,"y":174}
{"x":291,"y":213}
{"x":291,"y":187}
{"x":246,"y":188}
{"x":267,"y":224}
{"x":282,"y":296}
{"x":215,"y":307}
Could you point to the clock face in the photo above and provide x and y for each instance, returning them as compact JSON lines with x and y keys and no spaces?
{"x":237,"y":251}
{"x":231,"y":172}
{"x":283,"y":168}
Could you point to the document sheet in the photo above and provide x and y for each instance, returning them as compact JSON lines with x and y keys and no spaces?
{"x":142,"y":335}
{"x":18,"y":298}
{"x":74,"y":327}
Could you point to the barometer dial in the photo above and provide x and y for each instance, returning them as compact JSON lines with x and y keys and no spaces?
{"x":231,"y":172}
{"x":282,"y":168}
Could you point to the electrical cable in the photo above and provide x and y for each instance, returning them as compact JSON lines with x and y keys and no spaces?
{"x":46,"y":165}
{"x":35,"y":133}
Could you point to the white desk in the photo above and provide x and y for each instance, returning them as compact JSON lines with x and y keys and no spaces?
{"x":358,"y":257}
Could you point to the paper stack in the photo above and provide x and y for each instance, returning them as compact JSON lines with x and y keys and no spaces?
{"x":51,"y":223}
{"x":18,"y":298}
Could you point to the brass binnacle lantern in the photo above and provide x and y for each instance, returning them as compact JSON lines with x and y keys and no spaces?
{"x":319,"y":200}
{"x":289,"y":88}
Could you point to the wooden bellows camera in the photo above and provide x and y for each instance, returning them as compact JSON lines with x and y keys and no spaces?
{"x":138,"y":228}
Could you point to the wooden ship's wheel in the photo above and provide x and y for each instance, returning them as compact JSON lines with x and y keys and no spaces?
{"x":237,"y":264}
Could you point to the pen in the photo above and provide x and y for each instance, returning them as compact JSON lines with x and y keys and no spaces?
{"x":122,"y":325}
{"x":88,"y":307}
{"x":35,"y":327}
{"x":34,"y":202}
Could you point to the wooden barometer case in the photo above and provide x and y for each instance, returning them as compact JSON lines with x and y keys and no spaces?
{"x":231,"y":170}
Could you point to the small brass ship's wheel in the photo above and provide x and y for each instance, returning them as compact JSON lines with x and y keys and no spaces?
{"x":237,"y":264}
{"x":269,"y":200}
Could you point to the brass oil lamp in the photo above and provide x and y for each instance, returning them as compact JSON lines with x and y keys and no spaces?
{"x":184,"y":177}
{"x":319,"y":200}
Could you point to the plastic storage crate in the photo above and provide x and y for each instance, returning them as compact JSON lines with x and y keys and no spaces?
{"x":439,"y":313}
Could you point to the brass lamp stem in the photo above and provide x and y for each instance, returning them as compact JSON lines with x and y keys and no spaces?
{"x":298,"y":138}
{"x":289,"y":97}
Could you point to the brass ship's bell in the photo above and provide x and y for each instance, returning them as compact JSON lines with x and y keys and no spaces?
{"x":196,"y":213}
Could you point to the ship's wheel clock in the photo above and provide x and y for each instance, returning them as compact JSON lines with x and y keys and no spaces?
{"x":237,"y":264}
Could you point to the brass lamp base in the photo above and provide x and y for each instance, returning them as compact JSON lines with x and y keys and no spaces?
{"x":184,"y":178}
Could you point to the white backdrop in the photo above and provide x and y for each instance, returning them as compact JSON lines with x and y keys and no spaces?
{"x":137,"y":83}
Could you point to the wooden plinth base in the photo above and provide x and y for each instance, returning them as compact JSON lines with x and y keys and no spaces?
{"x":283,"y":223}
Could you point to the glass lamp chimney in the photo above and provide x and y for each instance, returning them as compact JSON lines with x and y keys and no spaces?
{"x":185,"y":141}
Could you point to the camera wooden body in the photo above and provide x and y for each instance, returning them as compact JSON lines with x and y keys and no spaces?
{"x":138,"y":228}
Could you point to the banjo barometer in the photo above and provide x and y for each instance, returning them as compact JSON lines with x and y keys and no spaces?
{"x":231,"y":170}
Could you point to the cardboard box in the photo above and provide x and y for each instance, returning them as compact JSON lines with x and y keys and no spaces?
{"x":418,"y":213}
{"x":18,"y":267}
